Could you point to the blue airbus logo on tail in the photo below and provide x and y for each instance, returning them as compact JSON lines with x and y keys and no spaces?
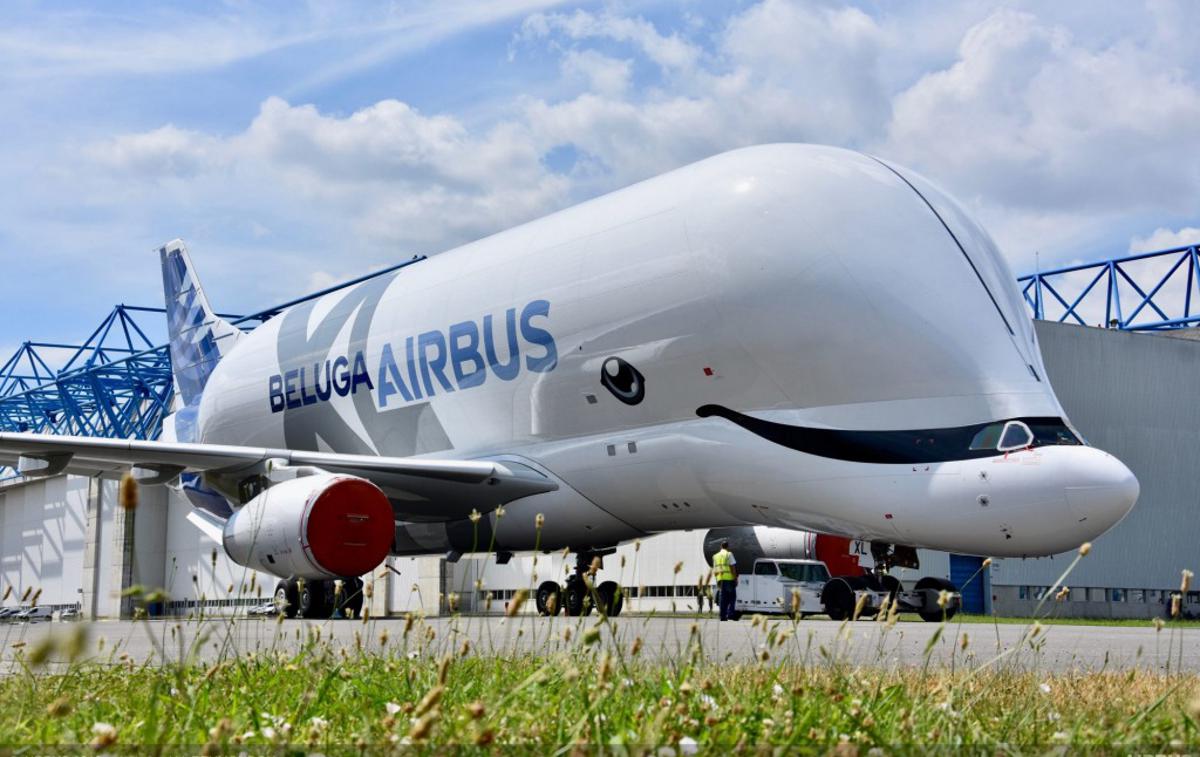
{"x":427,"y":364}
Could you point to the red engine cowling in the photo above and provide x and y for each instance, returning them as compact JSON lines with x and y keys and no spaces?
{"x":320,"y":526}
{"x":751,"y":542}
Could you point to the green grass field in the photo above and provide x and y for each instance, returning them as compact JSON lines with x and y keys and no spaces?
{"x":418,"y":688}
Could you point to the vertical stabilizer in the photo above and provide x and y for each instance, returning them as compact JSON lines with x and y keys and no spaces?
{"x":199,"y":338}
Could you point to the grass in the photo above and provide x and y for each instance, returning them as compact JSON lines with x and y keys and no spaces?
{"x":1053,"y":621}
{"x":591,"y":686}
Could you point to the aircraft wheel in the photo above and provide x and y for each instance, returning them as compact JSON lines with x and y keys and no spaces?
{"x":312,"y":600}
{"x":352,"y":597}
{"x":548,"y":598}
{"x":287,"y":600}
{"x":576,"y":601}
{"x":838,"y":599}
{"x":937,"y":614}
{"x":892,"y":586}
{"x":611,"y":598}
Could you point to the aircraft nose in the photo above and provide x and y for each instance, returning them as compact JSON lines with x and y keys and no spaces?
{"x":1105,"y":493}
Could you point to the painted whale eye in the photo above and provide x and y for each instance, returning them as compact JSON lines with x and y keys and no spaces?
{"x":624,"y":381}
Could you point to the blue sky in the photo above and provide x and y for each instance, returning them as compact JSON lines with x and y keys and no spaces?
{"x":293,"y":145}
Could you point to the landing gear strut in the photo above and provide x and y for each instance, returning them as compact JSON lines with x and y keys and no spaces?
{"x":581,"y":593}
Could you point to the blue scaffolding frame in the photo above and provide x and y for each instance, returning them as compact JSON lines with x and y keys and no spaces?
{"x":1160,"y":289}
{"x":116,"y":383}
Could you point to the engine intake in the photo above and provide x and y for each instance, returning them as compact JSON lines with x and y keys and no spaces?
{"x":320,"y":526}
{"x":748,"y":543}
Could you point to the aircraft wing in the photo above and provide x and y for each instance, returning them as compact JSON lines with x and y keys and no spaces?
{"x":420,"y":488}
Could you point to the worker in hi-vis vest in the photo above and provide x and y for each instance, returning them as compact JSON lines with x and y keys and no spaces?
{"x":725,"y":573}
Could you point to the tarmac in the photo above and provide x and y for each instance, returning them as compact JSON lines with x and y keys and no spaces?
{"x":1049,"y":648}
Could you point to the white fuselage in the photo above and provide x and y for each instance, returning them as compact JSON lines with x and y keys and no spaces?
{"x":809,"y":287}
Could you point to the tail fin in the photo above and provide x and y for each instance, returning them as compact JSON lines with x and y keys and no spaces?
{"x":199,"y":338}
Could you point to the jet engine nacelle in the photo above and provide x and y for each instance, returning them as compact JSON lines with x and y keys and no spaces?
{"x":315,"y":527}
{"x":748,"y":543}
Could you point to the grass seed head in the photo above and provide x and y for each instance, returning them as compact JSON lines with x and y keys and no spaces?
{"x":1185,"y":581}
{"x":104,"y":735}
{"x":41,"y":651}
{"x":476,"y":710}
{"x":423,"y":727}
{"x":127,"y":493}
{"x":591,"y":635}
{"x":987,"y":562}
{"x":429,"y":701}
{"x":862,"y":603}
{"x":474,"y":516}
{"x":59,"y":707}
{"x":7,"y":593}
{"x":943,"y":599}
{"x":1085,"y":548}
{"x":1176,"y":601}
{"x":636,"y":646}
{"x":500,"y":512}
{"x":515,"y":604}
{"x":539,"y":520}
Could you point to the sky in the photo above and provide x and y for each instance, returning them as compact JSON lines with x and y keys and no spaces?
{"x":293,"y":145}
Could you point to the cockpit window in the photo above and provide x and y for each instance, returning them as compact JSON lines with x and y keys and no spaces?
{"x":988,"y":436}
{"x":1016,"y":436}
{"x":1053,"y":432}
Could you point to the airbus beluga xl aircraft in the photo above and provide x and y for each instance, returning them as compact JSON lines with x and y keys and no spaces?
{"x":786,"y":335}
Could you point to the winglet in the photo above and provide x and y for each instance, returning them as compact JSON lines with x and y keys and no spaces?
{"x":199,"y":338}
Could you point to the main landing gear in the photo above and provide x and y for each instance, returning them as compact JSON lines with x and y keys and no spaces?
{"x":581,"y":594}
{"x":318,"y":599}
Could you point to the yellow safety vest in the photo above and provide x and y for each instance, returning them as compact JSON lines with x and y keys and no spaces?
{"x":722,"y":570}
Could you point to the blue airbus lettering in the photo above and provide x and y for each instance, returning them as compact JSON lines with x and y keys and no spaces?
{"x":464,"y":355}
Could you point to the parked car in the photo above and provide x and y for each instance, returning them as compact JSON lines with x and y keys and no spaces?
{"x":34,"y":614}
{"x":265,"y":609}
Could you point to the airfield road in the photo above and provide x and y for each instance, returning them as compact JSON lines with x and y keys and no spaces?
{"x":1058,"y":648}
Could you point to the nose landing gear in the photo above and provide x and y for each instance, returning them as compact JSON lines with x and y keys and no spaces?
{"x":581,"y":594}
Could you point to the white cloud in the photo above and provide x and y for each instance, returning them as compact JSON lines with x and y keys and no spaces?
{"x":1028,"y":122}
{"x":669,"y":52}
{"x":1164,"y":239}
{"x":398,"y":178}
{"x":599,"y":73}
{"x":1063,"y":127}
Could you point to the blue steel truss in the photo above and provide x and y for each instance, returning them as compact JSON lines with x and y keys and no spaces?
{"x":1149,"y":291}
{"x":116,"y":383}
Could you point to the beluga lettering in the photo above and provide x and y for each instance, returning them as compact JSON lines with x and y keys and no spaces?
{"x":420,"y":366}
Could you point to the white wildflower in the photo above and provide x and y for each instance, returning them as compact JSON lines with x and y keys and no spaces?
{"x":1045,"y":687}
{"x":688,"y":745}
{"x":392,"y":708}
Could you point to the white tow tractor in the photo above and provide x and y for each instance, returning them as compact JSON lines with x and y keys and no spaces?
{"x":770,"y":586}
